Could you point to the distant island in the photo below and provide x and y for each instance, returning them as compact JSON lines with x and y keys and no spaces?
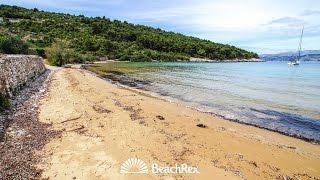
{"x":64,"y":38}
{"x":306,"y":55}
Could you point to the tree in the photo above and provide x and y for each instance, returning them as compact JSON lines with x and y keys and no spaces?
{"x":95,"y":36}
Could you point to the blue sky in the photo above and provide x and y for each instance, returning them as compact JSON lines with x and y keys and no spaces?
{"x":263,"y":26}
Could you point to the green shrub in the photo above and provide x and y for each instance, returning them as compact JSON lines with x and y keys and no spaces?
{"x":12,"y":45}
{"x":59,"y":54}
{"x":4,"y":103}
{"x":41,"y":52}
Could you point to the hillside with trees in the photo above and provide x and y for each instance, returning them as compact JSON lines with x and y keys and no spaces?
{"x":66,"y":38}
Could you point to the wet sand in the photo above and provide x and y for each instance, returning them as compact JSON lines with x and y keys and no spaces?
{"x":104,"y":124}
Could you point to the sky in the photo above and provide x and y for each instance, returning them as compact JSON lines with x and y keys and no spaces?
{"x":262,"y":26}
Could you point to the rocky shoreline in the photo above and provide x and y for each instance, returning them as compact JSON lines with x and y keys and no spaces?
{"x":121,"y":78}
{"x":23,"y":134}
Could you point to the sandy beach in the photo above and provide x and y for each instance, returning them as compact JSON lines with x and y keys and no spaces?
{"x":104,"y":124}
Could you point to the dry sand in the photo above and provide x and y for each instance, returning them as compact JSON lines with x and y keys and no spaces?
{"x":104,"y":124}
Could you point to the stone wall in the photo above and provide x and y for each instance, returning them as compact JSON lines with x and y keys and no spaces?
{"x":17,"y":70}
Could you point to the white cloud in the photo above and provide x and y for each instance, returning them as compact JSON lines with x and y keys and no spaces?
{"x":288,"y":21}
{"x":311,"y":13}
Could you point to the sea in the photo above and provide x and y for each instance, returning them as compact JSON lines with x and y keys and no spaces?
{"x":269,"y":95}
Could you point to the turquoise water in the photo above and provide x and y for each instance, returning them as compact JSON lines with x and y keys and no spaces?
{"x":271,"y":95}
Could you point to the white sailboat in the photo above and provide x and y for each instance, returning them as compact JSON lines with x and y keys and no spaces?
{"x":297,"y":60}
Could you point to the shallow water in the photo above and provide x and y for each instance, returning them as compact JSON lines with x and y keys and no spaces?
{"x":271,"y":95}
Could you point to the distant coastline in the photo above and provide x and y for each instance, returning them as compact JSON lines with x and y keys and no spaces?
{"x":306,"y":55}
{"x":193,"y":59}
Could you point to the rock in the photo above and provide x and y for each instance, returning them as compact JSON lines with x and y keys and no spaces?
{"x":160,"y":117}
{"x":202,"y":125}
{"x":20,"y":132}
{"x":100,"y":109}
{"x":253,"y":163}
{"x":67,"y":66}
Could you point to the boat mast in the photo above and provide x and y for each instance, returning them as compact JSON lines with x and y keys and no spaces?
{"x":300,"y":43}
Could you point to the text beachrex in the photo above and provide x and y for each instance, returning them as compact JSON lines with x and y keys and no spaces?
{"x":137,"y":166}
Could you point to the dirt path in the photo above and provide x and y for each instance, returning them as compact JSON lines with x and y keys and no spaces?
{"x":104,"y":125}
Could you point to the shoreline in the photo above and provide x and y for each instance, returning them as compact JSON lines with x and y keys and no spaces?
{"x":193,"y":59}
{"x":103,"y":124}
{"x":133,"y":84}
{"x":97,"y":124}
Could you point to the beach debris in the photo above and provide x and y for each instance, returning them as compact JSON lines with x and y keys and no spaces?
{"x":120,"y":77}
{"x":142,"y":122}
{"x":273,"y":168}
{"x":128,"y":108}
{"x":20,"y":132}
{"x":290,"y":147}
{"x":202,"y":125}
{"x":67,"y":66}
{"x":222,"y":128}
{"x":239,"y":156}
{"x":79,"y":130}
{"x":117,"y":103}
{"x":284,"y":146}
{"x":181,"y":154}
{"x":135,"y":115}
{"x":25,"y":134}
{"x":72,"y":119}
{"x":160,"y":117}
{"x":215,"y":162}
{"x":253,"y":163}
{"x":303,"y":175}
{"x":100,"y":109}
{"x":285,"y":177}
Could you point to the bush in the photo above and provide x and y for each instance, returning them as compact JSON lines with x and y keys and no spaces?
{"x":59,"y":54}
{"x":12,"y":45}
{"x":135,"y":56}
{"x":4,"y":103}
{"x":81,"y":58}
{"x":41,"y":52}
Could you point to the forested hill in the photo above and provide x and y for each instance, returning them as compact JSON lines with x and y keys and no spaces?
{"x":92,"y":37}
